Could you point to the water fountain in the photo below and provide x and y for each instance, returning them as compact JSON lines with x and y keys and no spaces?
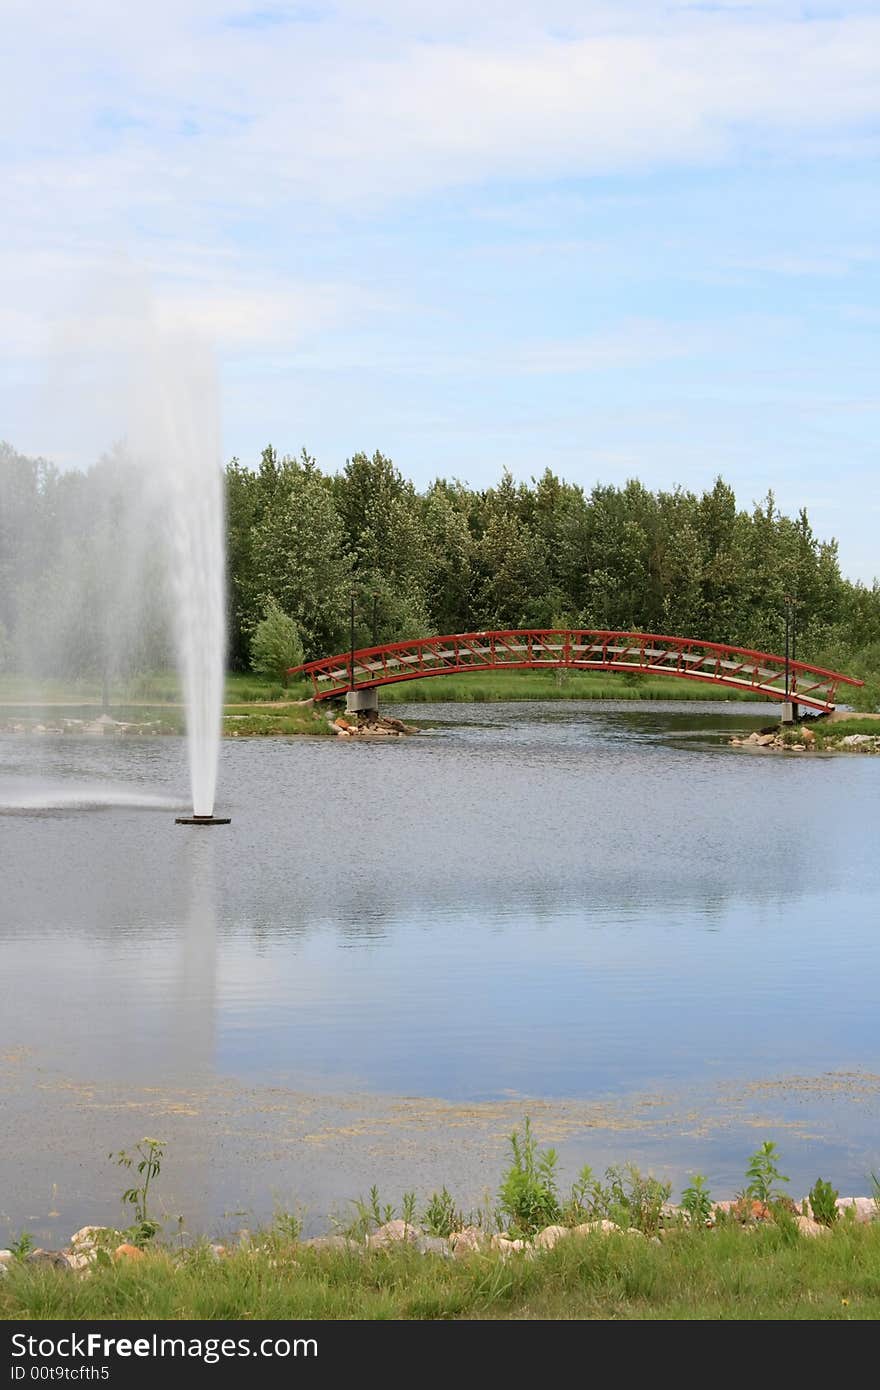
{"x":175,"y":439}
{"x":118,"y":564}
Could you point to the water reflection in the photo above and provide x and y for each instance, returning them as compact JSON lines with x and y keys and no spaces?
{"x":547,"y":899}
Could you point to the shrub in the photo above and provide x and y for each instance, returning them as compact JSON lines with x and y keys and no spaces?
{"x":441,"y":1216}
{"x":587,"y":1201}
{"x":697,"y":1201}
{"x":636,"y":1199}
{"x":276,"y":644}
{"x":763,"y":1174}
{"x":528,"y":1191}
{"x":823,"y":1202}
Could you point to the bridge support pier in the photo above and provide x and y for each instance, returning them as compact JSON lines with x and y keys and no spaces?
{"x":789,"y":713}
{"x":365,"y":701}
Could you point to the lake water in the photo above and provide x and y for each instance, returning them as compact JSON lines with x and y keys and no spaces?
{"x":659,"y":946}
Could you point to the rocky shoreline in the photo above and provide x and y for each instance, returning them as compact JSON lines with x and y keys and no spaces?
{"x":104,"y":725}
{"x":95,"y":1245}
{"x":804,"y":740}
{"x":371,"y":726}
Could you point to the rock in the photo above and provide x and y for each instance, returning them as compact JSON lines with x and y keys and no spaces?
{"x":765,"y":740}
{"x":465,"y":1241}
{"x":83,"y":1258}
{"x":808,"y":1227}
{"x":392,"y":1233}
{"x":747,"y":1209}
{"x":396,"y":725}
{"x":505,"y":1246}
{"x":853,"y":740}
{"x":754,"y":738}
{"x":735,"y":742}
{"x":89,"y":1236}
{"x":55,"y":1259}
{"x":331,"y":1243}
{"x":798,"y":747}
{"x":6,"y":1257}
{"x":127,"y":1252}
{"x":433,"y":1245}
{"x":592,"y":1228}
{"x":550,"y":1236}
{"x":865,"y":1208}
{"x":808,"y":737}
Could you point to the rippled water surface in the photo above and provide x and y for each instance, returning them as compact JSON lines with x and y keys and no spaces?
{"x":561,"y":900}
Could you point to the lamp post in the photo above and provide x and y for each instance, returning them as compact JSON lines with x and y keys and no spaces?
{"x":790,"y":709}
{"x":362,"y":700}
{"x":351,"y":637}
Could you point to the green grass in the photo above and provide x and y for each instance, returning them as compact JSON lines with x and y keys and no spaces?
{"x":268,"y":723}
{"x":553,"y":685}
{"x":723,"y":1274}
{"x":850,"y":725}
{"x":157,"y":688}
{"x":830,"y":735}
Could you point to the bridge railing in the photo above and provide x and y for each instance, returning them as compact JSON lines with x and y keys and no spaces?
{"x":587,"y":649}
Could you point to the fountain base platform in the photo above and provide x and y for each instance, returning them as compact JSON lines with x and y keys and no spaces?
{"x":202,"y":820}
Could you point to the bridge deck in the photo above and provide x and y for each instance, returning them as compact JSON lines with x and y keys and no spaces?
{"x":578,"y":649}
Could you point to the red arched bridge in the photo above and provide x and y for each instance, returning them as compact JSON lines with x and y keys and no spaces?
{"x":642,"y":653}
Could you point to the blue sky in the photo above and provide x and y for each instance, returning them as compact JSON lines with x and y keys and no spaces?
{"x":615,"y":239}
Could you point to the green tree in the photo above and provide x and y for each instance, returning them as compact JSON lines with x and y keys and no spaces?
{"x":450,"y":566}
{"x":276,"y":644}
{"x":299,"y":557}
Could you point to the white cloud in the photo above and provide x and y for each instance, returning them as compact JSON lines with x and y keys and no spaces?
{"x":220,"y":152}
{"x":177,"y":131}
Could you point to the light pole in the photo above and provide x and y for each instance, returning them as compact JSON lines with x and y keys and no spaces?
{"x":361,"y":700}
{"x":351,"y":638}
{"x":790,"y":710}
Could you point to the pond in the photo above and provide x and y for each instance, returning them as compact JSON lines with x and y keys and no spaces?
{"x":660,"y":947}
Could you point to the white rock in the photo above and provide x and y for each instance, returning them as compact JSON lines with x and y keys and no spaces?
{"x":82,"y":1258}
{"x":865,"y":1207}
{"x":808,"y":1227}
{"x":392,"y":1233}
{"x":86,"y":1235}
{"x":505,"y":1246}
{"x":592,"y":1228}
{"x":550,"y":1236}
{"x":332,"y":1243}
{"x":465,"y":1241}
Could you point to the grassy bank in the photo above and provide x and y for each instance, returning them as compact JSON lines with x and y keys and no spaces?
{"x":268,"y":723}
{"x":831,"y":733}
{"x":843,"y":734}
{"x":160,"y":692}
{"x":761,"y":1272}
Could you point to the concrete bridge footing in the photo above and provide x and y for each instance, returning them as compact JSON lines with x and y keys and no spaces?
{"x":362,"y":701}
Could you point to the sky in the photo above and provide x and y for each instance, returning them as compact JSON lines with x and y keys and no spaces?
{"x":616,"y":239}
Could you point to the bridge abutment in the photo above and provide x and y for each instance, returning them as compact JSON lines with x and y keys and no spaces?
{"x":364,"y":701}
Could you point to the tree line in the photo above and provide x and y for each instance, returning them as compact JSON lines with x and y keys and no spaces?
{"x":547,"y":553}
